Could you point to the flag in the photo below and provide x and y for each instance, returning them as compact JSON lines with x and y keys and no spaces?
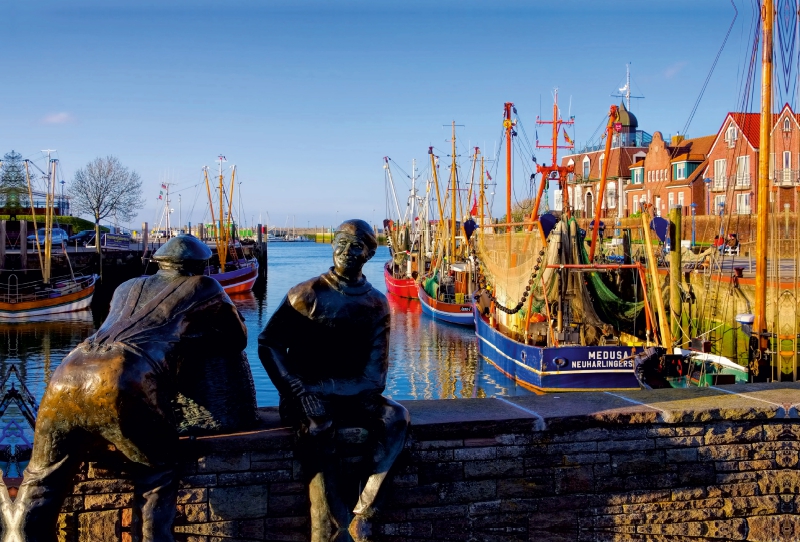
{"x":159,"y":197}
{"x":488,"y":176}
{"x":474,"y":210}
{"x":566,"y":137}
{"x":222,"y":158}
{"x":163,"y":186}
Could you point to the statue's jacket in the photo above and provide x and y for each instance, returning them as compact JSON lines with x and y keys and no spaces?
{"x":334,"y":334}
{"x":139,"y":360}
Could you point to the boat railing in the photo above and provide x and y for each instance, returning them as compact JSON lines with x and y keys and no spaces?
{"x":14,"y":291}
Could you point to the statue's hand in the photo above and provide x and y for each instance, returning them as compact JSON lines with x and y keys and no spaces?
{"x":298,"y":387}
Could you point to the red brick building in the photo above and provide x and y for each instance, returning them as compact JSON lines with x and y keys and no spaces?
{"x":669,"y":175}
{"x":732,"y":170}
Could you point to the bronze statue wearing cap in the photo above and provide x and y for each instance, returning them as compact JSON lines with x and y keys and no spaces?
{"x":120,"y":386}
{"x":326,"y":350}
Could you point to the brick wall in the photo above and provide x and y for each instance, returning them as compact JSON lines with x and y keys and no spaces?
{"x":660,"y":465}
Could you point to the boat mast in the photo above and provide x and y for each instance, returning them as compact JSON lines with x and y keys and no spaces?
{"x":454,"y":179}
{"x":508,"y":124}
{"x":762,"y":224}
{"x":438,"y":196}
{"x":601,"y":191}
{"x":48,"y":225}
{"x":481,"y":198}
{"x":546,"y":171}
{"x":210,"y":201}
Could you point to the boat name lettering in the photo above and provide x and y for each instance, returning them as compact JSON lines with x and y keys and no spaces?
{"x":605,"y":354}
{"x":603,"y":364}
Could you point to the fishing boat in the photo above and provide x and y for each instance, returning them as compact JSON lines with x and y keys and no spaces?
{"x":232,"y":269}
{"x":405,"y":238}
{"x":446,"y":293}
{"x":49,"y":295}
{"x":544,"y":315}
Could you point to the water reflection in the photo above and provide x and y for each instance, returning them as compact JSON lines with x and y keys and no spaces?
{"x":428,"y":360}
{"x":29,"y":353}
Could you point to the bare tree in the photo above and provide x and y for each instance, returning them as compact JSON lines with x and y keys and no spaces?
{"x":103,"y":188}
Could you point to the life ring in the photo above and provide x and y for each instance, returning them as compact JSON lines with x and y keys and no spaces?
{"x":560,"y":362}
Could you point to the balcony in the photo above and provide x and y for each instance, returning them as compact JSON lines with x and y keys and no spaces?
{"x":719,"y":183}
{"x":786,"y":177}
{"x":741,"y":180}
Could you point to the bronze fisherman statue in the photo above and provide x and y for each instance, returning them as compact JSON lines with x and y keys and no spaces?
{"x":326,"y":350}
{"x":121,"y":386}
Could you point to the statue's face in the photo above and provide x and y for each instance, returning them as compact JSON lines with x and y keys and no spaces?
{"x":350,"y":254}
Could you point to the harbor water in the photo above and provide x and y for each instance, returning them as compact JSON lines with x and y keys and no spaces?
{"x":428,"y":360}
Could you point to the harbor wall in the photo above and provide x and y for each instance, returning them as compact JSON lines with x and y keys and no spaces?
{"x":658,"y":465}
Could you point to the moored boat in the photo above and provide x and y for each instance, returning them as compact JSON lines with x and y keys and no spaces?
{"x":235,"y":272}
{"x":544,"y":316}
{"x":402,"y":286}
{"x":49,"y":295}
{"x":35,"y":299}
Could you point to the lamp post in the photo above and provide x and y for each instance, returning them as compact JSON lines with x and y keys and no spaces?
{"x":721,"y":222}
{"x":61,"y":203}
{"x":694,"y":212}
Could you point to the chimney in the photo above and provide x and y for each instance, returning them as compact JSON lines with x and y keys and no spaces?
{"x":676,"y":139}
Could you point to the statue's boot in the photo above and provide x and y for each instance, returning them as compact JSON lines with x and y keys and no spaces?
{"x":40,"y":497}
{"x":155,"y":494}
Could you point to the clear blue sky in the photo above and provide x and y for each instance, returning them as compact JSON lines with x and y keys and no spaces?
{"x":306,"y":97}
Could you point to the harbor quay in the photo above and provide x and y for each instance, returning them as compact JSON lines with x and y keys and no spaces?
{"x":672,"y":464}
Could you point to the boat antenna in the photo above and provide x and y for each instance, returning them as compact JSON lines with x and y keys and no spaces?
{"x":625,"y":92}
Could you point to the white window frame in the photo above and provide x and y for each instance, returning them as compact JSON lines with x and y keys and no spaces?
{"x":787,"y":125}
{"x":742,"y":171}
{"x":743,"y":203}
{"x":680,"y":199}
{"x":671,"y":200}
{"x":587,"y":167}
{"x":731,"y":135}
{"x":720,"y":167}
{"x":680,"y":171}
{"x":786,"y":176}
{"x":600,"y":165}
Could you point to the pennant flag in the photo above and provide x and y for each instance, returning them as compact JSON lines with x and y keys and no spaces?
{"x":163,"y":186}
{"x":159,"y":197}
{"x":474,"y":210}
{"x":566,"y":137}
{"x":488,"y":176}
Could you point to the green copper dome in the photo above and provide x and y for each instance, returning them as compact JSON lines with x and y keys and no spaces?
{"x":626,"y":118}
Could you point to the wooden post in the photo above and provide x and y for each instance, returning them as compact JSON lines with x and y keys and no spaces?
{"x":145,"y":239}
{"x":3,"y":244}
{"x":652,"y":266}
{"x":262,"y":251}
{"x":23,"y":243}
{"x":675,"y":267}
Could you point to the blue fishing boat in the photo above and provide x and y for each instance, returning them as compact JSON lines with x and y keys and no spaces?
{"x":545,"y":314}
{"x":559,"y":368}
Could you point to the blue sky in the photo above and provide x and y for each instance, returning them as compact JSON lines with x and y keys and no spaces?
{"x":306,"y":97}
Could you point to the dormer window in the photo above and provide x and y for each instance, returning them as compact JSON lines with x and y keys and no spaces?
{"x":586,"y":164}
{"x":787,"y":125}
{"x":731,"y":134}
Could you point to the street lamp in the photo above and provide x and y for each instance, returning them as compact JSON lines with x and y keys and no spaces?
{"x":694,"y":212}
{"x":61,"y":203}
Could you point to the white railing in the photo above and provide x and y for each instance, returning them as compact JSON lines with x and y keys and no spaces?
{"x":786,"y":177}
{"x":742,"y":180}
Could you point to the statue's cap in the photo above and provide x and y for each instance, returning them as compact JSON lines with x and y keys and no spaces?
{"x":360,"y":229}
{"x":182,"y":248}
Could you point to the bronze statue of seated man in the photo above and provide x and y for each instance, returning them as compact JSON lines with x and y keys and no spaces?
{"x":326,"y":350}
{"x":120,"y":386}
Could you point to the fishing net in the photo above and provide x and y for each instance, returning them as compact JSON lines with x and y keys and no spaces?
{"x":513,"y":261}
{"x":509,"y":260}
{"x":610,"y":306}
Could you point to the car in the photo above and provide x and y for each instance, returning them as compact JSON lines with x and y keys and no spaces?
{"x":81,"y":238}
{"x":58,"y":236}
